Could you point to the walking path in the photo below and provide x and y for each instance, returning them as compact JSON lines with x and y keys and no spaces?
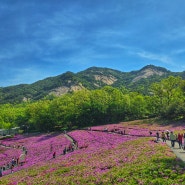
{"x":69,"y":138}
{"x":180,"y":153}
{"x":72,"y":140}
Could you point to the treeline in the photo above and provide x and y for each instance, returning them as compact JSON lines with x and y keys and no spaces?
{"x":93,"y":107}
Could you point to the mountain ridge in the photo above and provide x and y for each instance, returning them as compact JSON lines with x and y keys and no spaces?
{"x":90,"y":78}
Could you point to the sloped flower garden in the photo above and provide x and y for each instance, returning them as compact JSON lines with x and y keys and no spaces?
{"x":102,"y":158}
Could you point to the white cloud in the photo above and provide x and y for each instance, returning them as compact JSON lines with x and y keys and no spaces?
{"x":159,"y":57}
{"x":178,"y":51}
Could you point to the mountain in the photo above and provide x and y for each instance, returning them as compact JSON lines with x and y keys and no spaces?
{"x":91,"y":78}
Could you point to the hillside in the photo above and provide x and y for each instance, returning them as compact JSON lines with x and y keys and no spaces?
{"x":100,"y":157}
{"x":91,"y":78}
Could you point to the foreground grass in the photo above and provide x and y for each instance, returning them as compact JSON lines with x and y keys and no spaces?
{"x":139,"y":161}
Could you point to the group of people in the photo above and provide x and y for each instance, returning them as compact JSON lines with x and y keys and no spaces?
{"x":16,"y":161}
{"x":174,"y":138}
{"x":72,"y":146}
{"x":10,"y":165}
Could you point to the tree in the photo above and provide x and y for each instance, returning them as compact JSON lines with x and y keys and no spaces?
{"x":138,"y":106}
{"x":39,"y":116}
{"x":167,"y":93}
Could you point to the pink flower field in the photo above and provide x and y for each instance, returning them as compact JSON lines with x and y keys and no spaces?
{"x":137,"y":128}
{"x":38,"y":148}
{"x":101,"y":157}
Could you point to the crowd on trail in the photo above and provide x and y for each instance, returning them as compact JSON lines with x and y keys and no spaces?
{"x":171,"y":136}
{"x":72,"y":146}
{"x":15,"y":161}
{"x":19,"y":161}
{"x":164,"y":135}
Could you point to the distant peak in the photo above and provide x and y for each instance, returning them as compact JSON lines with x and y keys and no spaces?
{"x":149,"y":71}
{"x":154,"y":68}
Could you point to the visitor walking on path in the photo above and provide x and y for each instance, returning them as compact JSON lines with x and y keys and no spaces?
{"x":163,"y":137}
{"x":180,"y":136}
{"x":178,"y":152}
{"x":167,"y":135}
{"x":157,"y":135}
{"x":172,"y":139}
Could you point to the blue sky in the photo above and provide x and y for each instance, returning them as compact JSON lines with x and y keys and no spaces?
{"x":43,"y":38}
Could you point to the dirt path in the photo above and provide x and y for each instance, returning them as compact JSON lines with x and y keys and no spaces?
{"x":180,"y":153}
{"x":68,"y":137}
{"x":72,"y":140}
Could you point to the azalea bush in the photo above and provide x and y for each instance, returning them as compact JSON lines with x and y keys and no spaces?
{"x":101,"y":158}
{"x":39,"y":148}
{"x":138,"y":128}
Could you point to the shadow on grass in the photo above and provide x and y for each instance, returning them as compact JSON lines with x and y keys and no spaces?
{"x":173,"y":163}
{"x":47,"y":136}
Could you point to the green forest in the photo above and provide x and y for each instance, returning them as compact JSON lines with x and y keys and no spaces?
{"x":166,"y":100}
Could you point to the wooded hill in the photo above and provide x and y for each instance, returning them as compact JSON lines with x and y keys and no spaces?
{"x":84,"y":108}
{"x":91,"y":78}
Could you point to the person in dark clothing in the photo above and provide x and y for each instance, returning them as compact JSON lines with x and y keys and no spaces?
{"x":167,"y":135}
{"x":1,"y":171}
{"x":163,"y":137}
{"x":157,"y":135}
{"x":179,"y":137}
{"x":64,"y":151}
{"x":54,"y":155}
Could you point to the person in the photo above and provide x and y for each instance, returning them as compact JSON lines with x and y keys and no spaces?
{"x":76,"y":144}
{"x":13,"y":162}
{"x":163,"y":137}
{"x":64,"y":151}
{"x":4,"y":167}
{"x":12,"y":167}
{"x":167,"y":135}
{"x":184,"y":140}
{"x":173,"y":139}
{"x":26,"y":151}
{"x":1,"y":172}
{"x":180,"y":136}
{"x":23,"y":148}
{"x":73,"y":146}
{"x":157,"y":135}
{"x":54,"y":155}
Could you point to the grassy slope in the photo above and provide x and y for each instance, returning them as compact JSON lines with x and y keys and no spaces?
{"x":139,"y":161}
